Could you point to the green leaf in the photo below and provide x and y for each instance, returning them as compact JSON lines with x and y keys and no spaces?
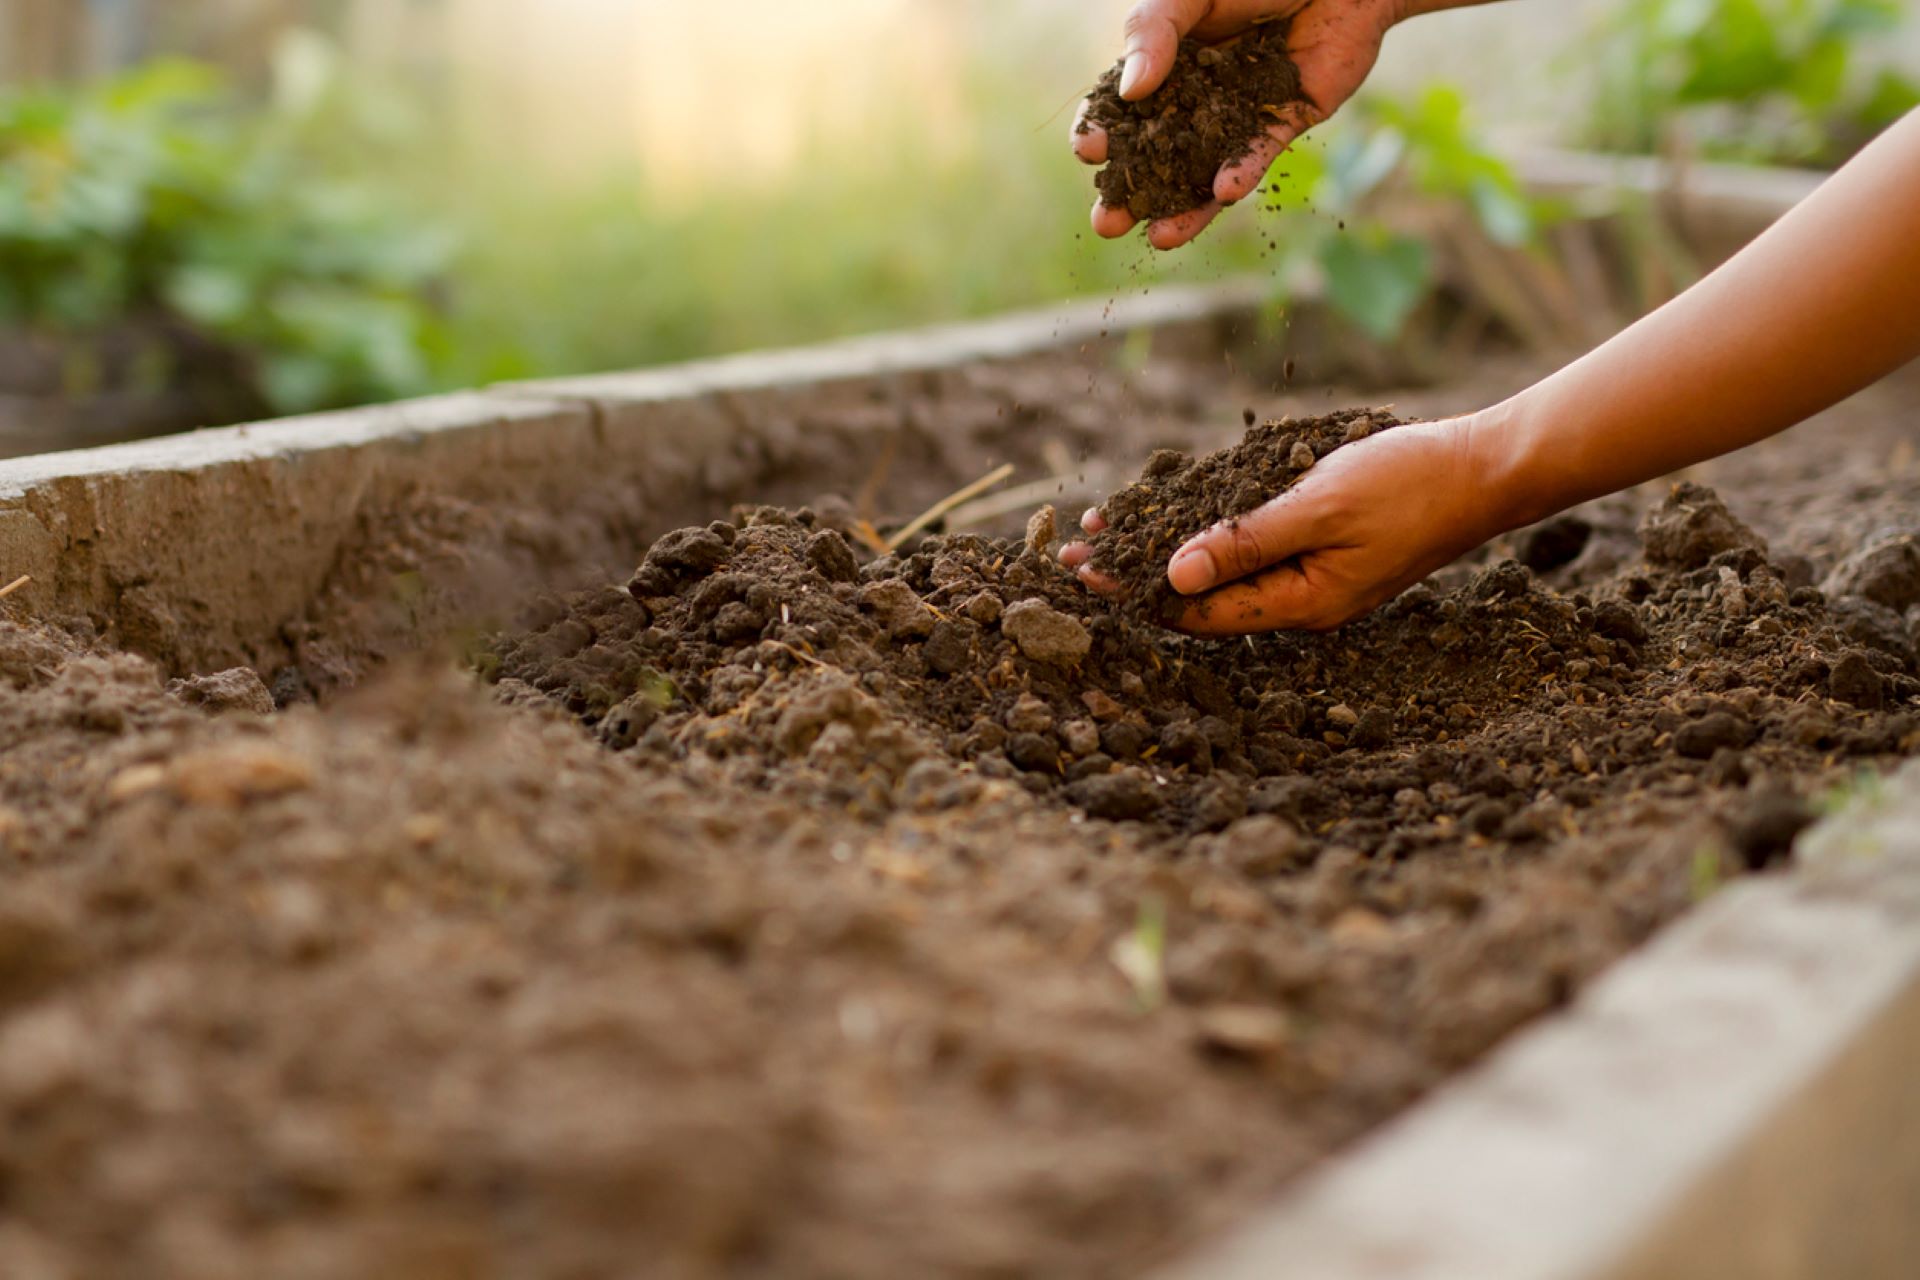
{"x":1502,"y":210}
{"x":1376,"y":279}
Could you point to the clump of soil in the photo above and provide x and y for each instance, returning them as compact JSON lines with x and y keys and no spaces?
{"x":1165,"y":150}
{"x":1178,"y":496}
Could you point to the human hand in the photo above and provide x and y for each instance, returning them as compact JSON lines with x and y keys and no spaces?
{"x":1334,"y":43}
{"x":1368,"y":521}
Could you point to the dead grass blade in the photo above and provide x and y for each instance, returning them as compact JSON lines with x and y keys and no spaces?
{"x":997,"y":476}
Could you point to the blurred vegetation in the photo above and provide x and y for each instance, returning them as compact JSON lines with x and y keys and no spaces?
{"x":344,"y":241}
{"x":1765,"y":81}
{"x":161,"y":196}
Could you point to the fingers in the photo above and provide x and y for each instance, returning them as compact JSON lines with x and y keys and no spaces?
{"x":1075,"y":556}
{"x":1281,"y":599}
{"x":1153,"y":32}
{"x":1092,"y":521}
{"x":1242,"y":178}
{"x":1234,"y":549}
{"x":1089,"y":141}
{"x":1171,"y":233}
{"x":1111,"y":222}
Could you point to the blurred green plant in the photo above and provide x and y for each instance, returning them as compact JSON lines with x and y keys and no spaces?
{"x":159,"y":197}
{"x":1376,"y":274}
{"x":1763,"y":81}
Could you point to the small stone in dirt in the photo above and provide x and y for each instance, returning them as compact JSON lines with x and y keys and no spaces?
{"x":1182,"y":742}
{"x":984,"y":608}
{"x":240,"y":689}
{"x":1248,"y":1031}
{"x":1034,"y":752}
{"x":1123,"y":739}
{"x":949,"y":647}
{"x":1886,"y":571}
{"x":683,"y":553}
{"x":1342,"y":715}
{"x":1692,"y":527}
{"x":1301,"y":458}
{"x":901,"y":613}
{"x":1041,"y":531}
{"x":737,"y":622}
{"x":1375,"y":729}
{"x":1045,"y":634}
{"x":1101,"y":706}
{"x":1029,"y":714}
{"x":1618,"y":620}
{"x":1125,"y":795}
{"x":1082,"y":737}
{"x":1223,"y":802}
{"x":1506,"y":580}
{"x":1699,"y":739}
{"x":831,"y":557}
{"x":1854,"y":681}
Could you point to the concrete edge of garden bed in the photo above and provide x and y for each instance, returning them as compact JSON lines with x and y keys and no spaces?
{"x":1734,"y":1099}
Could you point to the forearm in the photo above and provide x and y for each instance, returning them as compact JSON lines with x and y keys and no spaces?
{"x":1824,"y":303}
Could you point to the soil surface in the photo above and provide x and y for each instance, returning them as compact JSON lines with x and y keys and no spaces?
{"x":1165,"y":150}
{"x":787,"y":909}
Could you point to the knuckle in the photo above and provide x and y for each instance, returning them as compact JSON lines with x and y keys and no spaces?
{"x":1245,"y":550}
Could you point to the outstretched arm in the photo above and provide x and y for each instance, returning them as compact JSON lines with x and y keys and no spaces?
{"x":1824,"y":303}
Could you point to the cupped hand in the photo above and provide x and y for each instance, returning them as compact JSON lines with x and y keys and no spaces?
{"x":1334,"y":43}
{"x":1368,"y":521}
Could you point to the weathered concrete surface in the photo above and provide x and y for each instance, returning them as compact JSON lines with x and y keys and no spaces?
{"x":197,"y":549}
{"x":1739,"y":1099}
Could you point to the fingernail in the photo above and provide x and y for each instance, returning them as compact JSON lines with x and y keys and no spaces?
{"x":1130,"y":74}
{"x":1192,"y":571}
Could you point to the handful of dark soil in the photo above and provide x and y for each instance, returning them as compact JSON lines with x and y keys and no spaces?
{"x":1178,"y":496}
{"x":1165,"y":150}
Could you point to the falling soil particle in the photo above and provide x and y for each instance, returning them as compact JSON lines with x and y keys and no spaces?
{"x":1164,"y":151}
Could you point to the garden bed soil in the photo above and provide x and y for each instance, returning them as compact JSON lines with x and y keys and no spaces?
{"x":784,"y":909}
{"x":1164,"y":151}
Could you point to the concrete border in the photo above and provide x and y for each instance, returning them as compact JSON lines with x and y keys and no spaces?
{"x":1736,"y":1098}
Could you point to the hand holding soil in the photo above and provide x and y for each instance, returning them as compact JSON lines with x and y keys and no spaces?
{"x":1332,"y":42}
{"x":1375,"y":513}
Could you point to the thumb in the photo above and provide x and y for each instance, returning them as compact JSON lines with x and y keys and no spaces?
{"x":1232,"y":549}
{"x":1154,"y":29}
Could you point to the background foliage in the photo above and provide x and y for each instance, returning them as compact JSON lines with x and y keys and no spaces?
{"x":340,"y":235}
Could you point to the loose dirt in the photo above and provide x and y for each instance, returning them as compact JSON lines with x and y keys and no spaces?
{"x":785,"y":909}
{"x":1165,"y":150}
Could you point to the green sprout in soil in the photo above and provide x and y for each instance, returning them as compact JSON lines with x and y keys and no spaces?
{"x":1141,"y":955}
